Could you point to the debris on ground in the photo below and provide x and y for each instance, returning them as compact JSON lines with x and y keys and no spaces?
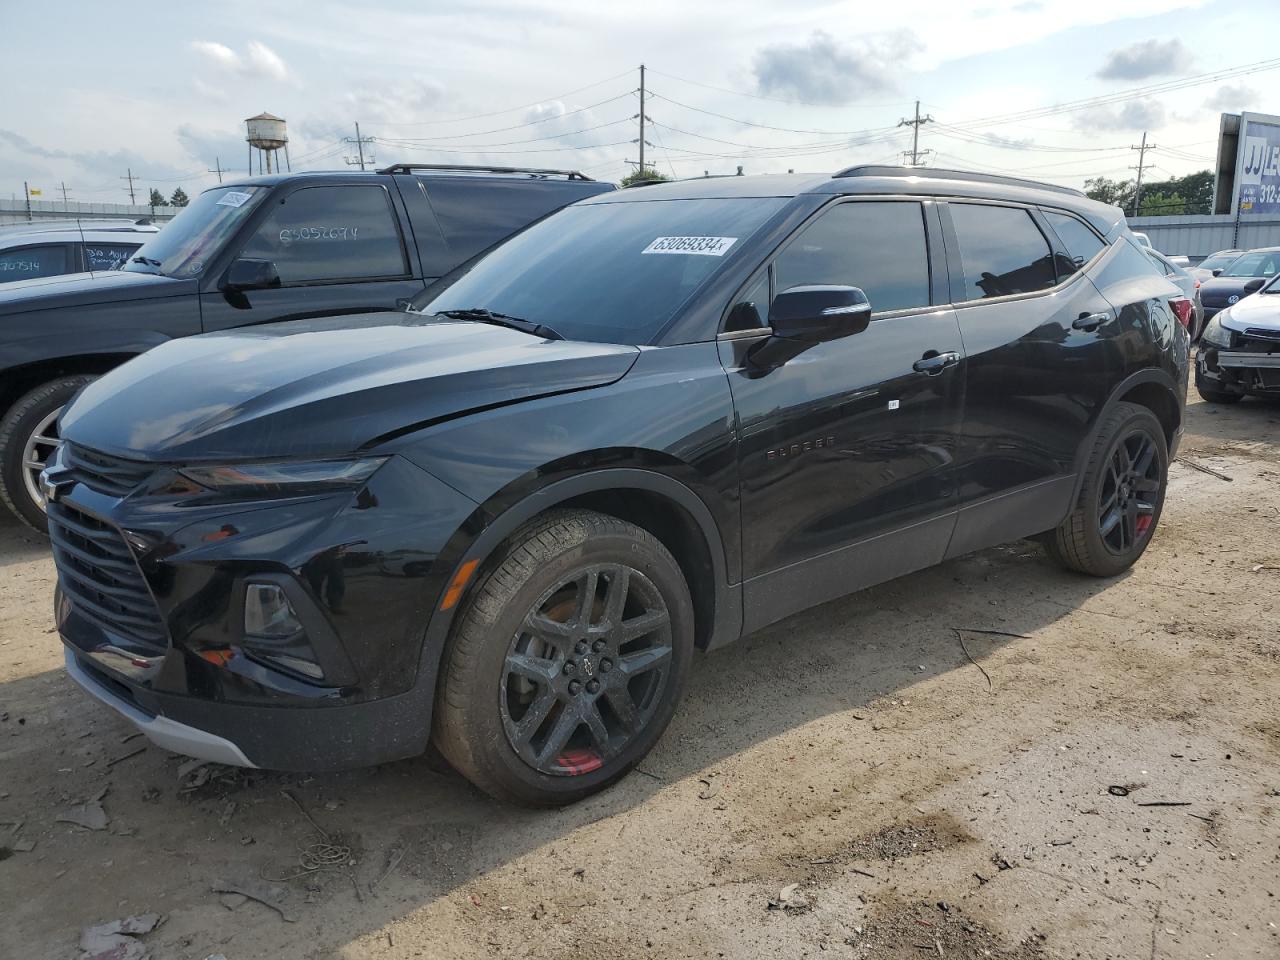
{"x":789,"y":898}
{"x":91,"y":815}
{"x":268,"y":894}
{"x":117,"y":940}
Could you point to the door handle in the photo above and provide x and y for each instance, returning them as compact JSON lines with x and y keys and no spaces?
{"x":933,"y":363}
{"x":1089,"y":322}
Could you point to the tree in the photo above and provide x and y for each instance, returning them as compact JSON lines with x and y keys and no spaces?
{"x":1178,"y":195}
{"x":157,"y":198}
{"x":1160,"y":204}
{"x":179,"y":198}
{"x":1118,"y":193}
{"x":645,"y":175}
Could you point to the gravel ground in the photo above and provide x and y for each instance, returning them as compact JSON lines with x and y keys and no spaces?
{"x":847,"y":783}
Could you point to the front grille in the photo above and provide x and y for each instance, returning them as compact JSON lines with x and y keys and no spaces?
{"x":114,"y":476}
{"x":99,"y":576}
{"x":1263,"y":333}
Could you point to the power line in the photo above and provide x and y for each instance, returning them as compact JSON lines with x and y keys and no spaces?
{"x":407,"y":141}
{"x":762,"y":126}
{"x":760,"y":96}
{"x":915,"y":126}
{"x":1142,"y":156}
{"x":495,"y":113}
{"x":132,"y":199}
{"x":518,"y":126}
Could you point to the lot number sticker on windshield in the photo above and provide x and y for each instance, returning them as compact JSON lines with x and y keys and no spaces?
{"x":699,"y":246}
{"x":233,"y":199}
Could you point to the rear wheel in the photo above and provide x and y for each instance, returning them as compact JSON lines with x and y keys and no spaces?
{"x":28,"y":438}
{"x":566,"y":665}
{"x":1121,"y":498}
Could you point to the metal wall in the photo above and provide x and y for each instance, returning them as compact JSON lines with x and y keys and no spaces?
{"x":1198,"y":236}
{"x":15,"y":210}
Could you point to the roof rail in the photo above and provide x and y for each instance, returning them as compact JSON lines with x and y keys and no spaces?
{"x":935,"y":173}
{"x":531,"y":171}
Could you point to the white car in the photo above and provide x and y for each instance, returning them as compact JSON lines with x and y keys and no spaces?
{"x":1239,"y":353}
{"x":47,"y":248}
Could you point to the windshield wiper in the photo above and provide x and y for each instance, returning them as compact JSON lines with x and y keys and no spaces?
{"x":148,"y":262}
{"x":480,"y":315}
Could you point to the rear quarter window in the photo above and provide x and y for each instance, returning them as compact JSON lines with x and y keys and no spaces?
{"x":28,"y":263}
{"x":1002,"y":250}
{"x":476,"y":214}
{"x":1081,"y":243}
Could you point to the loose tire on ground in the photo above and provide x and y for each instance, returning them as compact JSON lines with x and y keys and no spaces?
{"x":16,"y":428}
{"x":1083,"y":541}
{"x":518,"y":668}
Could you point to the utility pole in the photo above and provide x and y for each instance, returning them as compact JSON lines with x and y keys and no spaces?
{"x":359,"y":141}
{"x":642,"y":119}
{"x":915,"y":125}
{"x":217,"y":163}
{"x":1142,"y":149}
{"x":132,"y":199}
{"x":26,"y":192}
{"x":63,"y":185}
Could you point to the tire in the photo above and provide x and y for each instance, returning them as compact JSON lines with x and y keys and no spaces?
{"x":1210,"y":395}
{"x":536,"y":715}
{"x":34,"y":414}
{"x":1120,"y":501}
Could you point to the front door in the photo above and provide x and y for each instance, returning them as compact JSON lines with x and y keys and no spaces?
{"x":338,"y":249}
{"x":846,"y":450}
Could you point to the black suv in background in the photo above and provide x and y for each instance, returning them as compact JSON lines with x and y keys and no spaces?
{"x":247,"y":252}
{"x":655,"y":421}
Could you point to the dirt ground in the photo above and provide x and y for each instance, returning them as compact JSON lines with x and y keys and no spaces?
{"x":848,"y":783}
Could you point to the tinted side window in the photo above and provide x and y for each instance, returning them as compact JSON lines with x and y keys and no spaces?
{"x":108,"y":256}
{"x":475,"y":214}
{"x":878,"y":246}
{"x":1082,"y":243}
{"x":30,"y":262}
{"x":1003,"y":251}
{"x":331,"y":233}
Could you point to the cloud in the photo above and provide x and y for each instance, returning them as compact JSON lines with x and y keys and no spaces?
{"x":1134,"y":115}
{"x":826,"y":70}
{"x":1232,"y":98}
{"x":258,"y":62}
{"x":1147,"y":58}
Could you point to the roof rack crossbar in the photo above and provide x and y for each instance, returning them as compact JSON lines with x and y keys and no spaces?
{"x":531,"y":171}
{"x":937,"y":173}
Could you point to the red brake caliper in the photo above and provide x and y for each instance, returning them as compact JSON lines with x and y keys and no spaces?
{"x":577,"y":762}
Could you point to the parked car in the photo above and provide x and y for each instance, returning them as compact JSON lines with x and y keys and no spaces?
{"x":1180,"y":260}
{"x":1239,"y":354}
{"x":262,"y":249}
{"x":1189,"y":285}
{"x":50,"y":248}
{"x":655,"y":421}
{"x":1244,"y":275}
{"x":1214,"y":264}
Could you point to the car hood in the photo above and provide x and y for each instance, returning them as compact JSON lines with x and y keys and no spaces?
{"x":1256,"y":311}
{"x":1217,"y":290}
{"x":326,"y":387}
{"x":72,"y":289}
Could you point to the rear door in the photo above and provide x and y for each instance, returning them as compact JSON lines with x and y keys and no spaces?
{"x":846,"y":450}
{"x":1038,"y":367}
{"x":338,"y":248}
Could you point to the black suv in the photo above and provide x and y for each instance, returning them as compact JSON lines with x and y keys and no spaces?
{"x":252,"y":251}
{"x":655,"y":421}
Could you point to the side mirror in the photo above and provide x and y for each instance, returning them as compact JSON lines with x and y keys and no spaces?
{"x":1253,"y":286}
{"x":1217,"y":271}
{"x":250,"y":274}
{"x":814,"y":314}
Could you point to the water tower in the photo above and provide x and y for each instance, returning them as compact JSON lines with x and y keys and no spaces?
{"x":266,"y":134}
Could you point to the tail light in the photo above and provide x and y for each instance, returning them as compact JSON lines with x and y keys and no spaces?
{"x":1197,"y":284}
{"x":1182,"y":309}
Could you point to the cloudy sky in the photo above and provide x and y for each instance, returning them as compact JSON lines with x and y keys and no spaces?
{"x":803,"y":85}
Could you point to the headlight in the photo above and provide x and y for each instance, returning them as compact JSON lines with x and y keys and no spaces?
{"x":284,"y":476}
{"x":1215,"y":333}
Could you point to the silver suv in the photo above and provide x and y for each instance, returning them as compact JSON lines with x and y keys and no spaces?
{"x":48,"y":248}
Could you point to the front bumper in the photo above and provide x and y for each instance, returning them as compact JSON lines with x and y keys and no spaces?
{"x":1249,"y":368}
{"x":360,"y":568}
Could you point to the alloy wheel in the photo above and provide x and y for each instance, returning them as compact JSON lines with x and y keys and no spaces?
{"x":586,"y":670}
{"x":1129,"y":492}
{"x":40,"y":446}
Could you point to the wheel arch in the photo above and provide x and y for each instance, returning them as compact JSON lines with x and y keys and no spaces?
{"x":43,"y":362}
{"x":659,"y":503}
{"x":1150,"y":388}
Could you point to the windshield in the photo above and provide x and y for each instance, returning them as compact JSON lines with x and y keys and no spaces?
{"x":1260,"y":263}
{"x":193,"y":237}
{"x":607,"y":272}
{"x":1217,"y":260}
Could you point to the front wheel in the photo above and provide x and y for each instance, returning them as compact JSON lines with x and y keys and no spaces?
{"x":1121,"y":498}
{"x":566,"y":665}
{"x":28,"y":437}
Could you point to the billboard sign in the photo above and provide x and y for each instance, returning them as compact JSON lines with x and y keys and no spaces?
{"x":1259,"y":169}
{"x":1248,"y":172}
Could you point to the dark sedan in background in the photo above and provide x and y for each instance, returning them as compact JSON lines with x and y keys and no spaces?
{"x":1246,"y":275}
